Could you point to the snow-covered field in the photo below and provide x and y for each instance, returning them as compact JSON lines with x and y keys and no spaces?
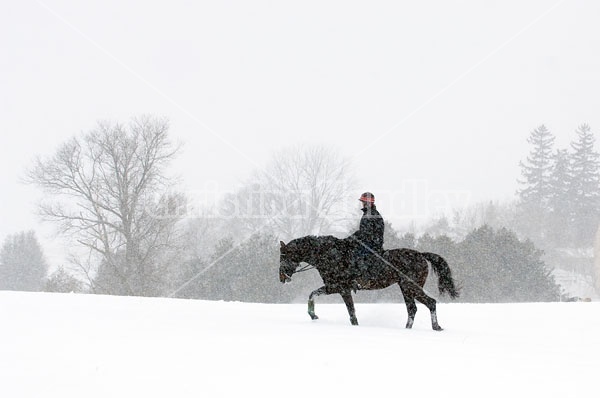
{"x":54,"y":345}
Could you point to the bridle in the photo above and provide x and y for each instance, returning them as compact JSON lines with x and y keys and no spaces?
{"x":288,"y":277}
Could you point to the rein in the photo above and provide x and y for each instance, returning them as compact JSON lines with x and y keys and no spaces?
{"x":307,"y":267}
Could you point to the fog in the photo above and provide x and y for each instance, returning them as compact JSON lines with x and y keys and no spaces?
{"x":429,"y":99}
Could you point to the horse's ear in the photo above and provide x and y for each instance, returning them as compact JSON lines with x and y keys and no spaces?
{"x":282,"y":244}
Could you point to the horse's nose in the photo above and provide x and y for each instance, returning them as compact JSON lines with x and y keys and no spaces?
{"x":283,"y":278}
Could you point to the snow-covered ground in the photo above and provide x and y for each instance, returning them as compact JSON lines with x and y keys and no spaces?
{"x":54,"y":345}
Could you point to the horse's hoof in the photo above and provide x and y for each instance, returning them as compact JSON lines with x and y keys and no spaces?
{"x":438,"y":328}
{"x":354,"y":321}
{"x":313,"y":316}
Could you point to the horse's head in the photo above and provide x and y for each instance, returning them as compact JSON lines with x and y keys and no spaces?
{"x":287,"y":265}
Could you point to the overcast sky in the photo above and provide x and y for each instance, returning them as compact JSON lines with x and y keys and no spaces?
{"x":443,"y":92}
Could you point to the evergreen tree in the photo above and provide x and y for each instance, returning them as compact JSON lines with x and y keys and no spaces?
{"x":585,"y":186}
{"x":218,"y":282}
{"x":561,"y":209}
{"x":442,"y":245}
{"x":391,"y":239}
{"x":408,"y":241}
{"x":535,"y":192}
{"x":22,"y":263}
{"x":495,"y":266}
{"x":537,"y":169}
{"x":439,"y":226}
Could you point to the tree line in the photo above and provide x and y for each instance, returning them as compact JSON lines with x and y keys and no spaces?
{"x":110,"y":192}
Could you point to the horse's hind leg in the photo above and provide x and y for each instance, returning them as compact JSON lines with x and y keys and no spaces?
{"x":411,"y":307}
{"x":311,"y":301}
{"x":414,"y":290}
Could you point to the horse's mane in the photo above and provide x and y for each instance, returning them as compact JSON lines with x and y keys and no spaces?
{"x":316,"y":241}
{"x":321,"y":247}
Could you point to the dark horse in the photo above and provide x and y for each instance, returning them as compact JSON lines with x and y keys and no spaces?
{"x":332,"y":258}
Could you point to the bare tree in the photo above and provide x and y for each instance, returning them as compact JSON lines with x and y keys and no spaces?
{"x":301,"y":191}
{"x":108,"y":190}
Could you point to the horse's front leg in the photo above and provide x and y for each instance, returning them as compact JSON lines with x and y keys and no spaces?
{"x":347,"y":296}
{"x":311,"y":301}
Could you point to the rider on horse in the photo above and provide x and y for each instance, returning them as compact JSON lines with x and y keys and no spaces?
{"x":368,"y":240}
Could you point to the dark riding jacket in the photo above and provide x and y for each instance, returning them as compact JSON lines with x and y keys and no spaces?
{"x":370,"y":232}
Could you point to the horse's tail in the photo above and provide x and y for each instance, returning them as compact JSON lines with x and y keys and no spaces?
{"x":442,"y":270}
